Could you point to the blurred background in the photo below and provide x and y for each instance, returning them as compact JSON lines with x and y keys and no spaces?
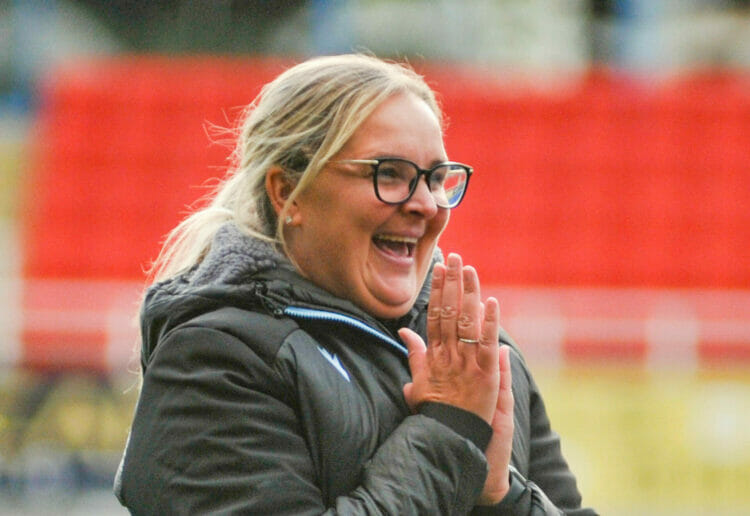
{"x":610,"y":212}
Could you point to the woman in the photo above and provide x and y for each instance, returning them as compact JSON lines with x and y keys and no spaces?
{"x":285,"y":369}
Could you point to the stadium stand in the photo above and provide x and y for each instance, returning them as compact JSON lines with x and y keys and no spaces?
{"x":611,"y":217}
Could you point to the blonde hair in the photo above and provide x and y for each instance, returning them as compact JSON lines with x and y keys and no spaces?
{"x":297,"y":122}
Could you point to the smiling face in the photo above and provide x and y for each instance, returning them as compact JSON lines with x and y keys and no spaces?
{"x":347,"y":241}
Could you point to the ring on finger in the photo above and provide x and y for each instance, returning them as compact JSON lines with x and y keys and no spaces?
{"x":468,"y":341}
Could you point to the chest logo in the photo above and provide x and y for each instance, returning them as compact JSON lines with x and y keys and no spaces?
{"x":334,"y":361}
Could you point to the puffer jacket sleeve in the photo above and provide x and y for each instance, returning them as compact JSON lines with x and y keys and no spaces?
{"x":546,"y":486}
{"x":216,"y":432}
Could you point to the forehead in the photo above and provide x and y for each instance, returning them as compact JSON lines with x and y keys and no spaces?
{"x":401,"y":126}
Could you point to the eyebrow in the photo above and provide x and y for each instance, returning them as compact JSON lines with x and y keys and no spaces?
{"x":433,"y":164}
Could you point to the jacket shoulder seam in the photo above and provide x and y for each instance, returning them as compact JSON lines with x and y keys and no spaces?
{"x":242,"y":325}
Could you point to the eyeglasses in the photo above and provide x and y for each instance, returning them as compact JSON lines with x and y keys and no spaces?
{"x":395,"y":180}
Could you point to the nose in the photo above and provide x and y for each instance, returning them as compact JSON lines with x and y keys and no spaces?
{"x":422,"y":202}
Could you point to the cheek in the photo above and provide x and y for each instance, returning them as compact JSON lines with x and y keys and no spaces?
{"x":434,"y":230}
{"x":349,"y":238}
{"x":439,"y":223}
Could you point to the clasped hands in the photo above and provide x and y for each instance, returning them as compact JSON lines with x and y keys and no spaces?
{"x":462,"y":364}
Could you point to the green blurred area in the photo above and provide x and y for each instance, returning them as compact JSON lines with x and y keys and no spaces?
{"x":70,"y":413}
{"x":654,"y":442}
{"x":12,"y":162}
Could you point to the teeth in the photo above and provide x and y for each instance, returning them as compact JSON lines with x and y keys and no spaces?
{"x":395,"y":238}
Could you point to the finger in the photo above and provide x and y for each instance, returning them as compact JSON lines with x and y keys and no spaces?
{"x":487,"y":354}
{"x":451,"y":300}
{"x":505,"y":392}
{"x":469,"y":324}
{"x":469,"y":321}
{"x":433,"y":308}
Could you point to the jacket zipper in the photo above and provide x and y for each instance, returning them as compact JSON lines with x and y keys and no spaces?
{"x":326,"y":316}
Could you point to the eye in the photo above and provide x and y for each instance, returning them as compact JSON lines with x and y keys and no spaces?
{"x":388,"y":171}
{"x":394,"y":172}
{"x":437,"y":177}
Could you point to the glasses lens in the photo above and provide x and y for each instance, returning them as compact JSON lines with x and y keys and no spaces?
{"x":448,"y":184}
{"x":394,"y":179}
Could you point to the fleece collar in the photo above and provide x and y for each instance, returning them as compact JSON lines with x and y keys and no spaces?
{"x":235,"y":257}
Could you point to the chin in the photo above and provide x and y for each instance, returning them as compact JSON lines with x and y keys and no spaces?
{"x":390,"y":297}
{"x":392,"y":310}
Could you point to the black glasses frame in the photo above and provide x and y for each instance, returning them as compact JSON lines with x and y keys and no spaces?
{"x":426,"y":172}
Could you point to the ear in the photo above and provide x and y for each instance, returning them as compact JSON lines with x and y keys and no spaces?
{"x":278,"y":189}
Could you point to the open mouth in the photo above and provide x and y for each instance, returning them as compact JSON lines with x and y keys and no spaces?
{"x":402,"y":247}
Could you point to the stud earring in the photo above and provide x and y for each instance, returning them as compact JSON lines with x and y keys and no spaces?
{"x":288,"y":219}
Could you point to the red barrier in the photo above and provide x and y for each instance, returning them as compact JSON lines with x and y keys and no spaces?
{"x":602,"y":183}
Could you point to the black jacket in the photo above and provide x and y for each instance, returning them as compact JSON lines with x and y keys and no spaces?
{"x":263,"y":394}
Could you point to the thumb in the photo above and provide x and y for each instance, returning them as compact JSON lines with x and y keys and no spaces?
{"x":408,"y":390}
{"x":505,"y":393}
{"x":417,"y":350}
{"x":417,"y":359}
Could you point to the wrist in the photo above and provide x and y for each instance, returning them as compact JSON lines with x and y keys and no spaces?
{"x":495,"y":493}
{"x":465,"y":423}
{"x":508,"y":493}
